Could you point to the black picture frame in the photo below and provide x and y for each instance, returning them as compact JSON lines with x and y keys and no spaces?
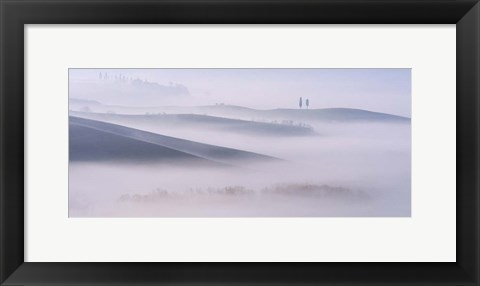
{"x":14,"y":14}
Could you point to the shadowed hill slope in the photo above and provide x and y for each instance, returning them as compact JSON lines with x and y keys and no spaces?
{"x":106,"y":140}
{"x":87,"y":144}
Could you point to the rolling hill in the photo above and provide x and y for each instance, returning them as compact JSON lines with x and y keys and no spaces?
{"x":323,"y":115}
{"x":202,"y":121}
{"x":92,"y":140}
{"x":245,"y":113}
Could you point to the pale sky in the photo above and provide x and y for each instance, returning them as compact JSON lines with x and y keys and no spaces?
{"x":381,"y":90}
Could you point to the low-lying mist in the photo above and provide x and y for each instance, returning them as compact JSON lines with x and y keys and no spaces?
{"x":344,"y":169}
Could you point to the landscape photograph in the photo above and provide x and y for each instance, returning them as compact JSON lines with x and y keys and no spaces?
{"x":239,"y":142}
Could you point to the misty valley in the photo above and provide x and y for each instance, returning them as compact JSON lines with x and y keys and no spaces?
{"x":234,"y":161}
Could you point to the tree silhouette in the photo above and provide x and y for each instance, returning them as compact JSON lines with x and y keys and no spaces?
{"x":300,"y":103}
{"x":307,"y":102}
